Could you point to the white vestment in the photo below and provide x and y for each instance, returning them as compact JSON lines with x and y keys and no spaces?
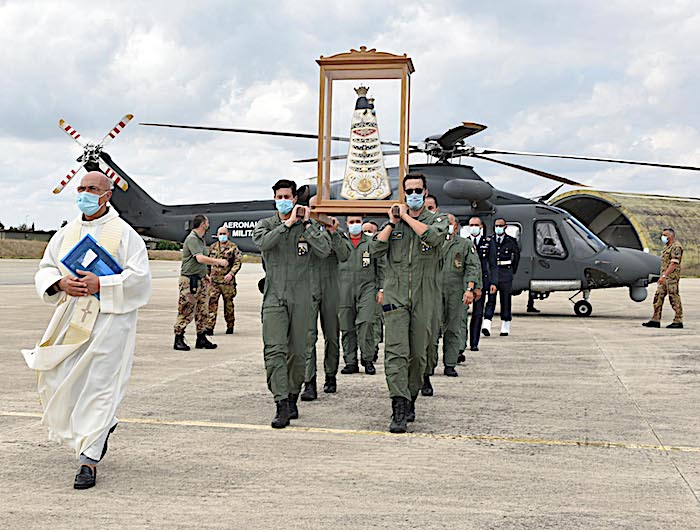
{"x":81,"y":393}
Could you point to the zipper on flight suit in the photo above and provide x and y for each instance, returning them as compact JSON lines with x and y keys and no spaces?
{"x":410,"y":270}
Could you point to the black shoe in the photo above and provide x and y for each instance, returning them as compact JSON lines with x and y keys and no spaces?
{"x":450,"y":371}
{"x":330,"y":386}
{"x":652,"y":324}
{"x":180,"y":343}
{"x":399,"y":407}
{"x":411,"y":413}
{"x":229,"y":331}
{"x":474,"y":348}
{"x":533,"y":309}
{"x":86,"y":478}
{"x":104,"y":449}
{"x":309,"y":393}
{"x":293,"y":409}
{"x":504,"y":334}
{"x":427,"y":389}
{"x":369,"y":368}
{"x":376,"y":357}
{"x":203,"y":342}
{"x":350,"y":369}
{"x":281,"y":419}
{"x":675,"y":325}
{"x":209,"y":332}
{"x":461,"y":358}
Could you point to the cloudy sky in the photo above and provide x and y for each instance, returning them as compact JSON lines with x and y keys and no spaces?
{"x":614,"y":78}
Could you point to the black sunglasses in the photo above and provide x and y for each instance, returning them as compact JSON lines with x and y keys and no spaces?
{"x":414,"y":191}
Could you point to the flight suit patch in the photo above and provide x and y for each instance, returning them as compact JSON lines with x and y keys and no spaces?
{"x":365,"y":259}
{"x":425,"y":248}
{"x":396,"y":235}
{"x":302,"y":246}
{"x":457,"y":262}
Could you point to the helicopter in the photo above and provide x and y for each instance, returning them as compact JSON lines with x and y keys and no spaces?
{"x":558,"y":252}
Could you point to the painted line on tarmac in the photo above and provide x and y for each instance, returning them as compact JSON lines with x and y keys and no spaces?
{"x":352,"y":432}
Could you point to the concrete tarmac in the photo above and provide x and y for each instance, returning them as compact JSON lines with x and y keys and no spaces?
{"x":568,"y":423}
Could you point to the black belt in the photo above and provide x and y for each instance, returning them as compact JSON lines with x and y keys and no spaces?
{"x":194,"y":282}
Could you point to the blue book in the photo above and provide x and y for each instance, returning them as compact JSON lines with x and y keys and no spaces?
{"x":89,"y":256}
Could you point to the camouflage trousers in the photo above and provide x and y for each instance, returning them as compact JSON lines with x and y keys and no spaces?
{"x":192,"y":306}
{"x":669,"y":288}
{"x":227,"y":291}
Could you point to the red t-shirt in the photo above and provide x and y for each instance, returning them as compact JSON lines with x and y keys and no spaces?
{"x":356,"y":240}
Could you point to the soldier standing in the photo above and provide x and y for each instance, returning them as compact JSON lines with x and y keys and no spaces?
{"x":460,"y":276}
{"x":223,"y":280}
{"x":668,"y":283}
{"x":411,"y":241}
{"x":361,"y":291}
{"x":486,"y":249}
{"x":508,"y":257}
{"x":287,"y":241}
{"x":325,"y":304}
{"x":194,"y":285}
{"x":370,"y":229}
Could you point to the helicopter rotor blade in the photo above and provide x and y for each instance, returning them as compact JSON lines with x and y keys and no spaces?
{"x":62,"y":184}
{"x":342,"y":157}
{"x":119,"y":127}
{"x":537,"y":172}
{"x":255,"y":131}
{"x":573,"y":157}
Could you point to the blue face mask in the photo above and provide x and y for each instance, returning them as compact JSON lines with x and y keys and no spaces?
{"x":223,"y":238}
{"x":89,"y":203}
{"x":415,"y":201}
{"x":355,"y":229}
{"x":284,"y":206}
{"x":664,"y":239}
{"x":500,"y":230}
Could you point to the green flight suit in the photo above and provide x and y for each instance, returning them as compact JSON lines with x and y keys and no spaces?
{"x":410,"y":284}
{"x":461,"y":265}
{"x":326,"y":299}
{"x":361,"y":277}
{"x":288,"y":297}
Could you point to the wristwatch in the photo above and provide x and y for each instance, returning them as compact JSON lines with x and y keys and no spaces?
{"x":392,"y":225}
{"x":306,"y":223}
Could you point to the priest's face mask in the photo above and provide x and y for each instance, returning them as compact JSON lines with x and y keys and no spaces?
{"x":94,"y":191}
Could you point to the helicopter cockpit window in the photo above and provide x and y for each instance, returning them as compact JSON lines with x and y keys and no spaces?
{"x":548,"y":243}
{"x":513,"y":230}
{"x":585,"y":242}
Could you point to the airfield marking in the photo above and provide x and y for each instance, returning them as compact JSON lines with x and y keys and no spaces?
{"x":353,"y":432}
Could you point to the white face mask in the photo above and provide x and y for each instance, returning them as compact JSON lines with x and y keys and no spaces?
{"x":475,"y":231}
{"x":451,"y":229}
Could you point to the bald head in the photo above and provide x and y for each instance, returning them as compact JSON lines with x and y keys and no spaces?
{"x":98,"y":180}
{"x":313,"y":201}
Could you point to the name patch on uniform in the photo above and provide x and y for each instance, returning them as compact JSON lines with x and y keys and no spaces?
{"x":365,"y":259}
{"x":397,"y":235}
{"x":302,"y":247}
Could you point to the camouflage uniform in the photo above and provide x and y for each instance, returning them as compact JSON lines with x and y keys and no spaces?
{"x":219,"y":287}
{"x":193,"y":305}
{"x":673,"y":253}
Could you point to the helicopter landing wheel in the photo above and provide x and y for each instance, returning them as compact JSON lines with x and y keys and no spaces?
{"x":583,"y":308}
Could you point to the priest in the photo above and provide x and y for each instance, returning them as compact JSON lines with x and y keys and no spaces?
{"x":84,"y":359}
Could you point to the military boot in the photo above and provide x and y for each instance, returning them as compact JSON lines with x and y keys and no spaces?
{"x":461,"y":358}
{"x":180,"y":343}
{"x":652,"y":324}
{"x":399,"y":407}
{"x":350,"y":369}
{"x":450,"y":371}
{"x":309,"y":393}
{"x":209,"y":332}
{"x":427,"y":389}
{"x":369,"y":368}
{"x":411,"y":414}
{"x":281,"y":419}
{"x":331,"y":385}
{"x":203,"y":342}
{"x":293,"y":409}
{"x":229,"y":331}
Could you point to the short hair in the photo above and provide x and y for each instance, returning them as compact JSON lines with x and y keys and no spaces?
{"x":673,"y":232}
{"x":431,"y":196}
{"x":198,"y":220}
{"x":481,"y":222}
{"x":284,"y":183}
{"x":499,"y":219}
{"x":415,"y":176}
{"x":371,"y":223}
